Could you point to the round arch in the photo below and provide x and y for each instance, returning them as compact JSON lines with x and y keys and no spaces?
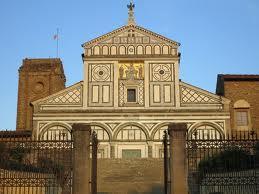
{"x":105,"y":50}
{"x":148,"y":50}
{"x":139,"y":50}
{"x":123,"y":125}
{"x":157,"y":49}
{"x":122,"y":50}
{"x":63,"y":125}
{"x":165,"y":49}
{"x":241,"y":104}
{"x":213,"y":125}
{"x":113,"y":50}
{"x":96,"y":50}
{"x":131,"y":50}
{"x":104,"y":127}
{"x":157,"y":128}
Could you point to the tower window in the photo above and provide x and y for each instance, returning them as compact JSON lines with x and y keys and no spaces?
{"x":131,"y":95}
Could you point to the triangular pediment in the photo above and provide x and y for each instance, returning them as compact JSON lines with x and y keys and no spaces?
{"x":69,"y":97}
{"x":194,"y":96}
{"x":123,"y":34}
{"x":131,"y":40}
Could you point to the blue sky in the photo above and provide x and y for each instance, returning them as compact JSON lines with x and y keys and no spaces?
{"x":216,"y":36}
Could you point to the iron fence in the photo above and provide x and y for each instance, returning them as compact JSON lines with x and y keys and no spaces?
{"x":223,"y":166}
{"x":34,"y":166}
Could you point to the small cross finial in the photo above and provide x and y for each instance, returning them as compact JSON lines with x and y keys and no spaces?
{"x":131,"y":19}
{"x":131,"y":6}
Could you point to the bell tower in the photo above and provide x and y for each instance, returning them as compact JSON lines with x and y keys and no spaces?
{"x":38,"y":78}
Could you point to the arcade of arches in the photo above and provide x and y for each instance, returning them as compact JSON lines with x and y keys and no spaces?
{"x":131,"y":140}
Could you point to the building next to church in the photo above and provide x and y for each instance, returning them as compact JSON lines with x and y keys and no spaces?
{"x":130,"y":92}
{"x":243,"y":93}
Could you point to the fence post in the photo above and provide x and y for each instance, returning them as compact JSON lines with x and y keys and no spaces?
{"x":177,"y":135}
{"x":81,"y":159}
{"x":94,"y":163}
{"x":165,"y":143}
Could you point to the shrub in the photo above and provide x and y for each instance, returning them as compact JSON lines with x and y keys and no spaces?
{"x":229,"y":160}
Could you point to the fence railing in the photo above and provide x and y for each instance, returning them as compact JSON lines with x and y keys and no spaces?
{"x":34,"y":166}
{"x":227,"y":165}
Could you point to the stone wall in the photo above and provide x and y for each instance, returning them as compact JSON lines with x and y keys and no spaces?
{"x":130,"y":176}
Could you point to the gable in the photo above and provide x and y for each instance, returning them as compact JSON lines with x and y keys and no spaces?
{"x":193,"y":96}
{"x":69,"y":97}
{"x":131,"y":40}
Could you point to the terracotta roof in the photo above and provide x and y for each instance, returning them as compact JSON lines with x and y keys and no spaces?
{"x":233,"y":77}
{"x":239,"y":77}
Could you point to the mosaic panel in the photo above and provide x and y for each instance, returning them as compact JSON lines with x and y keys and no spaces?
{"x":131,"y":76}
{"x":131,"y":71}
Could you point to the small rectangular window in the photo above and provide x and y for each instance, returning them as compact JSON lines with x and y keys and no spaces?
{"x":131,"y":95}
{"x":241,"y":118}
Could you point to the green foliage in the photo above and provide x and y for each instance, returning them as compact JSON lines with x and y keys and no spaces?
{"x":18,"y":153}
{"x":257,"y":154}
{"x":12,"y":158}
{"x":2,"y":150}
{"x":232,"y":159}
{"x":49,"y":166}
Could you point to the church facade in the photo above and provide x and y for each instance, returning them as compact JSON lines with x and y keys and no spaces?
{"x":130,"y":92}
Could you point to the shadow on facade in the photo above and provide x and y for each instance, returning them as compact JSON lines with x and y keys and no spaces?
{"x":156,"y":189}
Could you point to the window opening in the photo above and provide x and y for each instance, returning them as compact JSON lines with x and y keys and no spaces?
{"x":131,"y":95}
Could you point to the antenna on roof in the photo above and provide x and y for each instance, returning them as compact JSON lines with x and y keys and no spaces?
{"x":131,"y":19}
{"x":56,"y":37}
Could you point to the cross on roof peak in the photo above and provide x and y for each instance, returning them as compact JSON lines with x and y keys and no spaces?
{"x":131,"y":19}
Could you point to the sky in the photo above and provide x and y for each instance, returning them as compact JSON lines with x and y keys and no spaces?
{"x":216,"y":36}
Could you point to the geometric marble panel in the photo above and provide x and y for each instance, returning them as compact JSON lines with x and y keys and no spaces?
{"x":161,"y":72}
{"x":149,"y":126}
{"x":189,"y":95}
{"x":221,"y":124}
{"x":100,"y":72}
{"x":112,"y":125}
{"x":72,"y":96}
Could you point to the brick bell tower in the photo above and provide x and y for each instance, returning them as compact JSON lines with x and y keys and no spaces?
{"x":38,"y":78}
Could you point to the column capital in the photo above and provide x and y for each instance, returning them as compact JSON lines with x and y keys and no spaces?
{"x":176,"y":127}
{"x":149,"y":143}
{"x":113,"y":143}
